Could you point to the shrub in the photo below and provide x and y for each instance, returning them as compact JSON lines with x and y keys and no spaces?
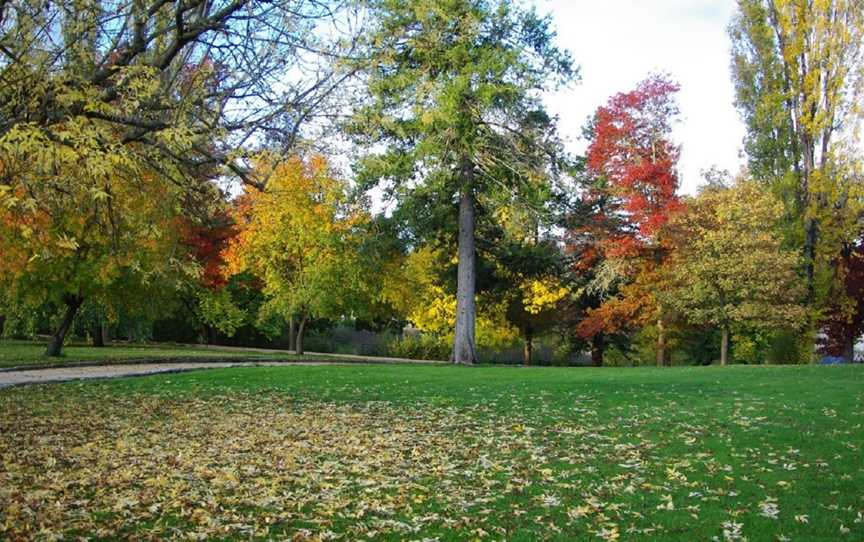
{"x":424,"y":347}
{"x":785,"y":348}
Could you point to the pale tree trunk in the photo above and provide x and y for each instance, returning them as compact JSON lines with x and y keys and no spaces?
{"x":464,"y":350}
{"x":661,"y":343}
{"x":724,"y":347}
{"x":298,"y":347}
{"x":55,"y":345}
{"x":528,"y":349}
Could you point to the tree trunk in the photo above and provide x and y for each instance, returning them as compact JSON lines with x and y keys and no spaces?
{"x":811,"y":237}
{"x":99,"y":335}
{"x":464,"y":350}
{"x":299,"y":339}
{"x":598,"y":348}
{"x":291,"y":343}
{"x":528,"y":350}
{"x":661,"y":343}
{"x":849,"y":350}
{"x":724,"y":347}
{"x":55,"y":345}
{"x":210,"y":334}
{"x":2,"y":324}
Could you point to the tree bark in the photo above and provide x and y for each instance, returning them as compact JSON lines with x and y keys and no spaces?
{"x":55,"y":345}
{"x":99,"y":335}
{"x":299,"y":339}
{"x":661,"y":344}
{"x":464,"y":350}
{"x":811,"y":238}
{"x":724,"y":347}
{"x":291,"y":343}
{"x":598,"y":348}
{"x":528,"y":349}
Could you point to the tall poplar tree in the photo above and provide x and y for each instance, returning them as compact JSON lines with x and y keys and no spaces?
{"x":798,"y":69}
{"x":455,"y":108}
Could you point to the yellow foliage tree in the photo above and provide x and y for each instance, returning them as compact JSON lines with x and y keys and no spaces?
{"x":303,"y":239}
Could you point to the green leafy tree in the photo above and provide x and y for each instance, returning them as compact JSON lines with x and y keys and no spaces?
{"x":112,"y":113}
{"x":730,"y":268}
{"x":65,"y":245}
{"x":455,"y":110}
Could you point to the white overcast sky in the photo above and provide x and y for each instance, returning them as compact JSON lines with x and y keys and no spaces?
{"x":617,"y":43}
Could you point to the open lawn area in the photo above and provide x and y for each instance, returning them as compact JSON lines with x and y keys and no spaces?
{"x":28,"y":353}
{"x":439,"y":453}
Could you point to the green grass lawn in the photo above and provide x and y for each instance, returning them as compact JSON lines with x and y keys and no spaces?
{"x":21,"y":353}
{"x":439,"y":453}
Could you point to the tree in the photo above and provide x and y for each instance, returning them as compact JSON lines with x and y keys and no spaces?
{"x":455,"y":105}
{"x":631,"y":162}
{"x":416,"y":287}
{"x":533,"y":308}
{"x":302,"y":238}
{"x":798,"y":71}
{"x":730,"y":268}
{"x":104,"y":242}
{"x":208,"y":297}
{"x":98,"y":99}
{"x":179,"y":86}
{"x":844,"y":320}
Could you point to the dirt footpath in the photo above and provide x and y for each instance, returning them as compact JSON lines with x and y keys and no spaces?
{"x":62,"y":374}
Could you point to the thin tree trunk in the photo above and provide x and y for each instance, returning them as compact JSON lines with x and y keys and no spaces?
{"x":291,"y":343}
{"x":598,"y":348}
{"x":99,"y":335}
{"x":724,"y":347}
{"x":528,"y":350}
{"x":55,"y":345}
{"x":300,"y":329}
{"x":811,"y":238}
{"x":464,"y":350}
{"x":661,"y":343}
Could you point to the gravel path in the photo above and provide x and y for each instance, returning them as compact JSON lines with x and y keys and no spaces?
{"x":62,"y":374}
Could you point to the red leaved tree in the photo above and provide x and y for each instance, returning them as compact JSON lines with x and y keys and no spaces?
{"x":207,"y":243}
{"x":844,"y":322}
{"x":632,"y":161}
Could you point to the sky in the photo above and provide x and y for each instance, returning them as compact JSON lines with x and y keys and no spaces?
{"x":617,"y":43}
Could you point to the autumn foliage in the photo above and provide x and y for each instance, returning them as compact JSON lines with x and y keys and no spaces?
{"x":632,"y":160}
{"x":844,"y":320}
{"x":208,"y":244}
{"x":633,"y":151}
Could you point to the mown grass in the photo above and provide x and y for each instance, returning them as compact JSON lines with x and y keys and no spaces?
{"x":440,"y":453}
{"x":29,"y":353}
